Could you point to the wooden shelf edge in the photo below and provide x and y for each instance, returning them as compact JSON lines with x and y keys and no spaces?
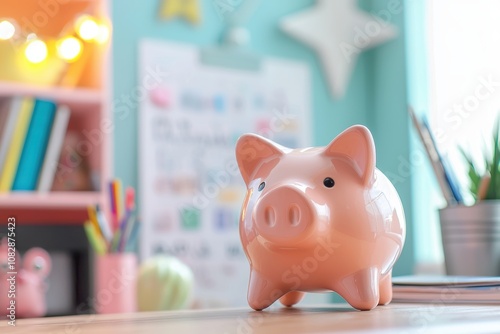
{"x":51,"y":200}
{"x":33,"y":216}
{"x":59,"y":94}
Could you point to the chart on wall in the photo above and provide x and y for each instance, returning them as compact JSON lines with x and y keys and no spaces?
{"x":191,"y":114}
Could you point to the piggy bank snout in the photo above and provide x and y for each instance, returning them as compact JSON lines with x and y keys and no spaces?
{"x":284,"y":215}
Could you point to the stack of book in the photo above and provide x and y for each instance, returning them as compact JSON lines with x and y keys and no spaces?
{"x":32,"y":133}
{"x":446,"y":289}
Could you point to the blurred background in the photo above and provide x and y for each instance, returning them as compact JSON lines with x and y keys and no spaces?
{"x":147,"y":99}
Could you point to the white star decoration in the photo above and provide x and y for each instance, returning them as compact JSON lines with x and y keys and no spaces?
{"x":339,"y":32}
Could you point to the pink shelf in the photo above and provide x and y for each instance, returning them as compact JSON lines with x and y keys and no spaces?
{"x":55,"y":200}
{"x":59,"y":94}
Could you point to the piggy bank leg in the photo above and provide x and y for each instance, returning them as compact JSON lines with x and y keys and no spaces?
{"x":386,"y":289}
{"x":361,"y":289}
{"x":262,"y":292}
{"x":292,"y":298}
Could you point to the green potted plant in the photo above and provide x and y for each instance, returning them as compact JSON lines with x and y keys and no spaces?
{"x":486,"y":186}
{"x":471,"y":234}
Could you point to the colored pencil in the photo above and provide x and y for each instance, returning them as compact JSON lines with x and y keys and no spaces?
{"x":122,"y":231}
{"x":115,"y":242}
{"x":95,"y":239}
{"x":112,"y":204}
{"x":127,"y":221}
{"x":118,"y":199}
{"x":127,"y":232}
{"x":129,"y":199}
{"x":93,"y":218}
{"x":116,"y":202}
{"x":131,"y":242}
{"x":103,"y":223}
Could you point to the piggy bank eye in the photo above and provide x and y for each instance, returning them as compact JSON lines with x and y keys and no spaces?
{"x":328,"y":182}
{"x":38,"y":264}
{"x":262,"y":186}
{"x":4,"y":266}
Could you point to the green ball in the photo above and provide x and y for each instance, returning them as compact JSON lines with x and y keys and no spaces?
{"x":164,"y":283}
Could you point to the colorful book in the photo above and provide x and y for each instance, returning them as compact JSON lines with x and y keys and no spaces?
{"x":16,"y":145}
{"x":54,"y":148}
{"x":35,"y":146}
{"x":9,"y":113}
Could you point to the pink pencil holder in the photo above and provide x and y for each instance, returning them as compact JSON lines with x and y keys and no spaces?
{"x":115,"y":283}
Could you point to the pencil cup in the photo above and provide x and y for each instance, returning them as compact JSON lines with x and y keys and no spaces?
{"x":115,"y":283}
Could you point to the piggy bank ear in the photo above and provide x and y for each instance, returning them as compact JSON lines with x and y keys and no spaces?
{"x":355,"y":143}
{"x":252,"y":151}
{"x":37,"y":261}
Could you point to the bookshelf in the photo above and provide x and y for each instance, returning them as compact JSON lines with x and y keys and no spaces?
{"x":83,"y":86}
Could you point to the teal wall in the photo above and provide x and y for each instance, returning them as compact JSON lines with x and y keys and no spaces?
{"x":389,"y":122}
{"x":376,"y":95}
{"x":426,"y":193}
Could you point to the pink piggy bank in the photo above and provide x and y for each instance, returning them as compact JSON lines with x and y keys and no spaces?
{"x":22,"y":295}
{"x":319,"y":219}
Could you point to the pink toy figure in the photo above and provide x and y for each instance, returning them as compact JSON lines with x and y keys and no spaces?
{"x":29,"y":291}
{"x":319,"y":219}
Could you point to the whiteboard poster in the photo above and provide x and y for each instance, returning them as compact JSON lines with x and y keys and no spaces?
{"x":190,"y":187}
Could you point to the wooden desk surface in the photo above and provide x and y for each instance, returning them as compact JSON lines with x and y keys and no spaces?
{"x":335,"y":318}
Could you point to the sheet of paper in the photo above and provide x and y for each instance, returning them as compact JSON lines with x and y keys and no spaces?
{"x":446,"y":289}
{"x":190,"y":189}
{"x":435,"y":280}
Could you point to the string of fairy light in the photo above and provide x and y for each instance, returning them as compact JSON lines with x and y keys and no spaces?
{"x":85,"y":29}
